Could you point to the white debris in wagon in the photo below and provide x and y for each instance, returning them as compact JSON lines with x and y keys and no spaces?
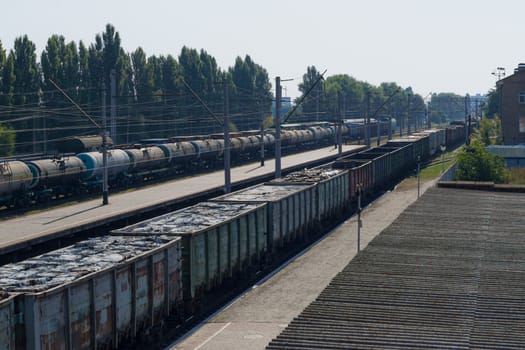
{"x":68,"y":264}
{"x":192,"y":219}
{"x":264,"y":193}
{"x":311,"y":175}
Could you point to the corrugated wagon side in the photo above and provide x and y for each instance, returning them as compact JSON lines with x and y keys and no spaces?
{"x":382,"y":163}
{"x":220,"y":242}
{"x":292,"y":210}
{"x":75,"y":308}
{"x":108,"y":307}
{"x":7,"y":322}
{"x":407,"y":148}
{"x":331,"y":186}
{"x":360,"y":175}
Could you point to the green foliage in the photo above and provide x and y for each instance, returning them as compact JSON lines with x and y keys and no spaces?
{"x":343,"y":96}
{"x":232,"y":127}
{"x":490,"y":131}
{"x":7,"y":77}
{"x":268,"y":122}
{"x":7,"y":141}
{"x":26,"y":73}
{"x":341,"y":92}
{"x":492,"y":107}
{"x":252,"y":93}
{"x":475,"y":163}
{"x":3,"y":61}
{"x":434,"y":171}
{"x":397,"y":106}
{"x":151,"y":99}
{"x":446,"y":107}
{"x":311,"y":104}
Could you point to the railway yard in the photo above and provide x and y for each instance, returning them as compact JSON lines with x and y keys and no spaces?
{"x":278,"y":259}
{"x":47,"y":230}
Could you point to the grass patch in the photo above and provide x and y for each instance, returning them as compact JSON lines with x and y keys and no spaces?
{"x":516,"y":176}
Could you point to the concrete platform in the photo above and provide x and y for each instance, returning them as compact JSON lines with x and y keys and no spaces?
{"x":27,"y":230}
{"x":259,"y":315}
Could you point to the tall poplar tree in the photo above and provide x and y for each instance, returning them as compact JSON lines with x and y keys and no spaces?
{"x":25,"y":87}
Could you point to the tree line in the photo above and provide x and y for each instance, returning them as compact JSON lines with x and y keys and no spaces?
{"x":152,"y":95}
{"x":342,"y":95}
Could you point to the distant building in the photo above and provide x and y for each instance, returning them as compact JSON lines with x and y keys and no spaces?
{"x":512,"y":106}
{"x":514,"y":156}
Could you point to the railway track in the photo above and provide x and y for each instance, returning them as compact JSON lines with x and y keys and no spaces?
{"x":295,"y":208}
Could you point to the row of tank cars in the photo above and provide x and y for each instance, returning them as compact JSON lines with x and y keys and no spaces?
{"x":147,"y":278}
{"x":76,"y":171}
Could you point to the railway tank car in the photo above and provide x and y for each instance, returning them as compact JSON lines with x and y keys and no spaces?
{"x":79,"y":144}
{"x":207,"y":149}
{"x":180,"y":153}
{"x":53,"y":177}
{"x":15,"y":179}
{"x":118,"y":165}
{"x":21,"y":185}
{"x":146,"y":162}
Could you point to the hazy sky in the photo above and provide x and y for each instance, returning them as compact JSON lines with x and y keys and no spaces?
{"x":432,"y":46}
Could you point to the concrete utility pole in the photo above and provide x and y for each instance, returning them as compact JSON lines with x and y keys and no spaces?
{"x":359,"y":222}
{"x":390,"y":128}
{"x":227,"y":148}
{"x":277,"y":127}
{"x":429,"y":114}
{"x":418,"y":175}
{"x":262,"y":143}
{"x":466,"y":120}
{"x":378,"y":133}
{"x":367,"y":120}
{"x":340,"y":137}
{"x":339,"y":124}
{"x":113,"y":105}
{"x":104,"y":149}
{"x":476,"y":114}
{"x":408,"y":114}
{"x":317,"y":106}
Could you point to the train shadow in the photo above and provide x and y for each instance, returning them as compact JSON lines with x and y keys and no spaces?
{"x":71,"y":215}
{"x":253,"y":169}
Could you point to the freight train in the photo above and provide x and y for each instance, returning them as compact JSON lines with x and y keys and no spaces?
{"x":78,"y":168}
{"x":144,"y":278}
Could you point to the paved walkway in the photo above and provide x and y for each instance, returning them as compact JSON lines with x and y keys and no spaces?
{"x":258,"y":316}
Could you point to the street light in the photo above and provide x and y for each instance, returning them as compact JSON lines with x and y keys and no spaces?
{"x":409,"y":96}
{"x":499,"y":73}
{"x":418,"y":174}
{"x":359,"y":210}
